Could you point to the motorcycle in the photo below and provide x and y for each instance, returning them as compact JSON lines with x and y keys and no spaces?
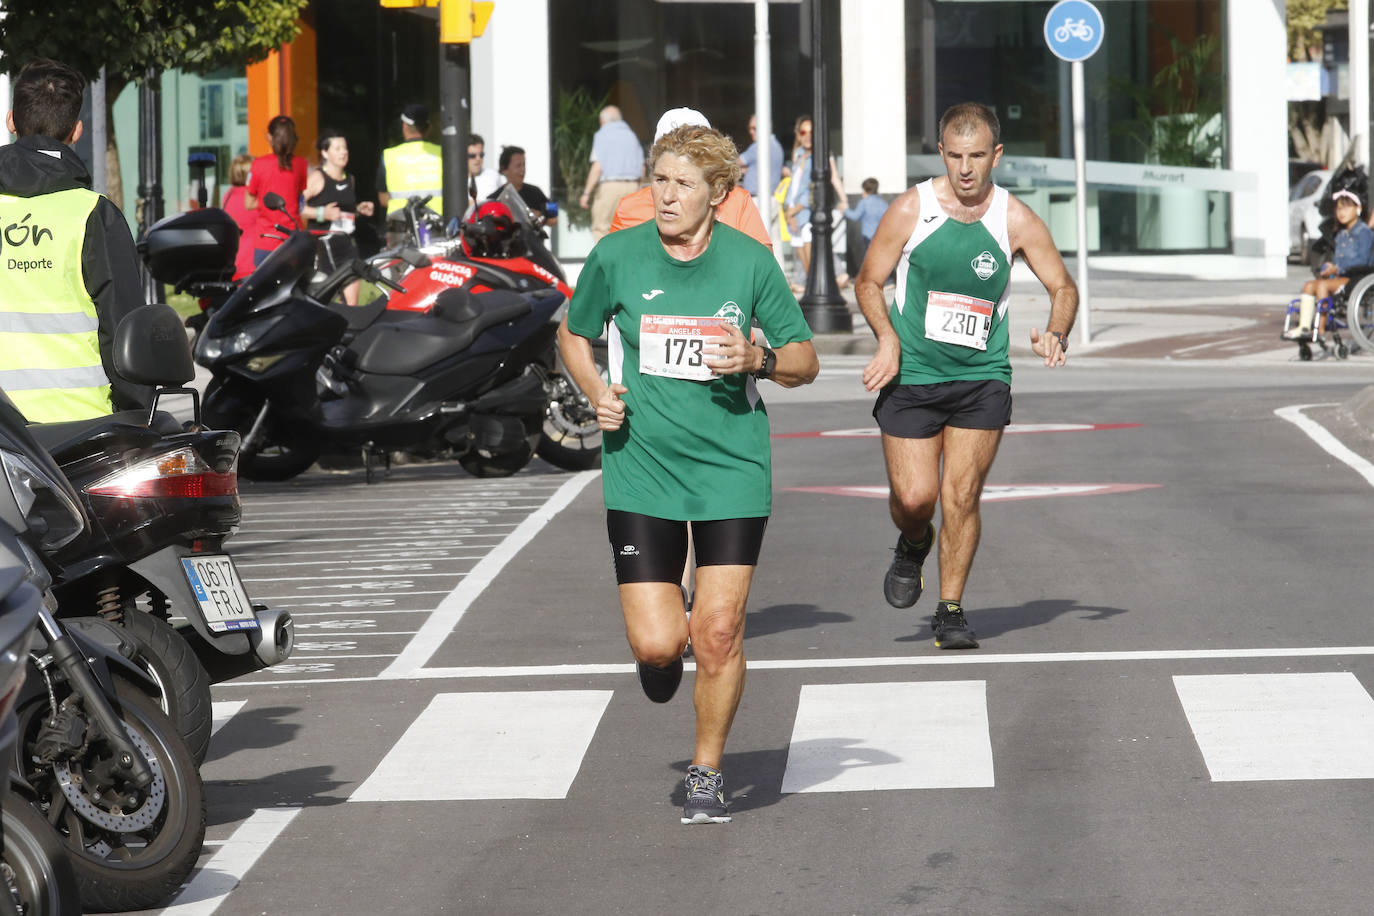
{"x":503,"y":246}
{"x":94,"y":754}
{"x":38,"y":875}
{"x":162,"y":500}
{"x":469,"y":379}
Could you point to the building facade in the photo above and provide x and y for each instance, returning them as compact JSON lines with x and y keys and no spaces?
{"x":1186,"y":118}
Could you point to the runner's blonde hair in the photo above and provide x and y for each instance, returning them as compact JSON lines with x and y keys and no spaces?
{"x":706,"y":148}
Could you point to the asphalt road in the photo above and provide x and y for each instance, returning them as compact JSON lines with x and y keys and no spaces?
{"x":1170,"y":710}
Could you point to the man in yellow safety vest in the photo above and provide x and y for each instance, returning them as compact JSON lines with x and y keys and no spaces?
{"x":412,"y":168}
{"x":68,"y":267}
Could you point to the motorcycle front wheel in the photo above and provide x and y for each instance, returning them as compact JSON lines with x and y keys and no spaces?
{"x":131,"y":848}
{"x":571,"y":438}
{"x":38,"y":875}
{"x":277,"y":455}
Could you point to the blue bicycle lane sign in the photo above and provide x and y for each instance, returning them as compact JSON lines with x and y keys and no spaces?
{"x":1073,"y":30}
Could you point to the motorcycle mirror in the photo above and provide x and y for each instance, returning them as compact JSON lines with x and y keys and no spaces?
{"x":273,"y":201}
{"x":150,"y":347}
{"x":414,"y":257}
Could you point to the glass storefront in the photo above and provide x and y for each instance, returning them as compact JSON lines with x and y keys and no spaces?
{"x":1154,"y":96}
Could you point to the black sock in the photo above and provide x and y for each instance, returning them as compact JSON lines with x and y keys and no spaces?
{"x":948,"y":607}
{"x":921,"y":550}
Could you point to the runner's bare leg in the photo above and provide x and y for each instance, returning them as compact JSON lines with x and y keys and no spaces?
{"x":913,"y":475}
{"x":655,"y":621}
{"x":718,"y":645}
{"x":968,"y":458}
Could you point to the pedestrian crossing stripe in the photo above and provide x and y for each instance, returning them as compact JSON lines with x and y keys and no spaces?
{"x":996,"y":492}
{"x":1012,"y":429}
{"x":872,"y":737}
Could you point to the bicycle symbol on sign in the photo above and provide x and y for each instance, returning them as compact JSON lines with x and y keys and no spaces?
{"x":1071,"y":29}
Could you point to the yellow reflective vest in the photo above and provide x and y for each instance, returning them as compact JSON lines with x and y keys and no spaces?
{"x":413,"y":169}
{"x":49,"y":344}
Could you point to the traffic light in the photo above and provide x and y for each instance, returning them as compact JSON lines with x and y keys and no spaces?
{"x":406,"y":4}
{"x":460,"y":21}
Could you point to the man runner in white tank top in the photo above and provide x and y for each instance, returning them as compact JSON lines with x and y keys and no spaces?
{"x":942,"y":366}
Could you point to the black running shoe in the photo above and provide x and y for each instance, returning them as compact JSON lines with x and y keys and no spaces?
{"x":952,"y":629}
{"x":705,"y":797}
{"x":660,"y":683}
{"x":903,"y":583}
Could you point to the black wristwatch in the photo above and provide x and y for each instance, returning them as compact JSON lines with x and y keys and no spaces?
{"x":770,"y":362}
{"x":1063,"y":341}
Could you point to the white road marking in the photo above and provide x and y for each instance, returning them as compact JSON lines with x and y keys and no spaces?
{"x":865,"y":737}
{"x":452,"y":608}
{"x":221,"y":711}
{"x":1330,"y":443}
{"x":808,"y":664}
{"x":212,"y":882}
{"x":997,"y":492}
{"x":1211,"y":344}
{"x":1281,"y":726}
{"x":524,"y":744}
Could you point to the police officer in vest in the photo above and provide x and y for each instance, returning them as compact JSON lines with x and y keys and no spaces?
{"x":412,"y":168}
{"x":68,"y":267}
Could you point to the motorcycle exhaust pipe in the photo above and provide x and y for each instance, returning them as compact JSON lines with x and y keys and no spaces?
{"x":276,"y":636}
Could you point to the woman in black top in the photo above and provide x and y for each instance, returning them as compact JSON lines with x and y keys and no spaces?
{"x":331,"y":202}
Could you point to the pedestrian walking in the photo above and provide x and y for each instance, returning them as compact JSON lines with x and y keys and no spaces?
{"x":868,"y":212}
{"x":686,"y":437}
{"x":235,"y":203}
{"x":617,"y":169}
{"x":942,"y":366}
{"x":281,"y":172}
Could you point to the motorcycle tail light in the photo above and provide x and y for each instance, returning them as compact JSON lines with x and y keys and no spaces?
{"x":181,"y":473}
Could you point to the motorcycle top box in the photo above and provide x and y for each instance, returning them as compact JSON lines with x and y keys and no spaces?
{"x":195,"y":247}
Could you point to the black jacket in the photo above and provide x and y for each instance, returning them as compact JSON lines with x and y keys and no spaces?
{"x":109,"y":260}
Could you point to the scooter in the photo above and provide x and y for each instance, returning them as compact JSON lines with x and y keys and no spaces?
{"x":468,"y":380}
{"x":37,"y":874}
{"x":162,"y":499}
{"x":501,"y":246}
{"x":94,"y":754}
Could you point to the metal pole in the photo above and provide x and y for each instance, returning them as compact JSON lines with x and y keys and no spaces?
{"x":1359,"y":79}
{"x":455,"y":120}
{"x":99,"y":135}
{"x":822,"y":305}
{"x":150,"y":166}
{"x":1080,"y":168}
{"x":763,"y":122}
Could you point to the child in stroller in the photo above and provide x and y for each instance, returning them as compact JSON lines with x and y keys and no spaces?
{"x":1354,"y":254}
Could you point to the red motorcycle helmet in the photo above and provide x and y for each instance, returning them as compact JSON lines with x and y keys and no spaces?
{"x":492,"y":228}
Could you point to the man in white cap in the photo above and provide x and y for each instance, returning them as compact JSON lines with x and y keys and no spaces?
{"x":737,"y":210}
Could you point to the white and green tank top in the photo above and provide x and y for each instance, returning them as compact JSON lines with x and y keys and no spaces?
{"x":953,"y":280}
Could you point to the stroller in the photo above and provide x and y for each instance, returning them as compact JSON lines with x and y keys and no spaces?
{"x":1332,"y":310}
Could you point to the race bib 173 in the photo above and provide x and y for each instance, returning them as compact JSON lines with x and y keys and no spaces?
{"x":958,"y":319}
{"x":674,"y":346}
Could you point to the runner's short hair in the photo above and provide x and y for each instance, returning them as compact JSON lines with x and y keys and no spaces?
{"x":706,"y":148}
{"x":47,"y":99}
{"x":965,"y":117}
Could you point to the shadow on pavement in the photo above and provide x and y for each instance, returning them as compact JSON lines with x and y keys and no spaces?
{"x":753,"y":779}
{"x":995,"y":621}
{"x":231,"y":800}
{"x":779,"y":618}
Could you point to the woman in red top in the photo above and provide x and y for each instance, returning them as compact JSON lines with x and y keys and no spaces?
{"x":235,"y":204}
{"x":283,"y":172}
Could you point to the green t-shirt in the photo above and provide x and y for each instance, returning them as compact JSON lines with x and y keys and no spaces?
{"x":688,"y":450}
{"x":952,"y":287}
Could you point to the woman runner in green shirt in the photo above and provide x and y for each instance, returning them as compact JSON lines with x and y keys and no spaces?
{"x":686,"y":436}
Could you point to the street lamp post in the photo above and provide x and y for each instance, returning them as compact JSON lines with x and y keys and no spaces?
{"x":149,"y":166}
{"x":822,"y":305}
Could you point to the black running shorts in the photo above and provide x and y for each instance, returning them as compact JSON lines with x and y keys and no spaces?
{"x":649,"y":549}
{"x":921,"y":411}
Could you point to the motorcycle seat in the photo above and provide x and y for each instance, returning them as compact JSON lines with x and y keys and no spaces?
{"x":406,"y":347}
{"x":61,"y":438}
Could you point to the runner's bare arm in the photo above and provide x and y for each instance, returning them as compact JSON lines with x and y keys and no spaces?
{"x":314,"y":183}
{"x":883,"y":254}
{"x":577,"y":356}
{"x":1030,"y":237}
